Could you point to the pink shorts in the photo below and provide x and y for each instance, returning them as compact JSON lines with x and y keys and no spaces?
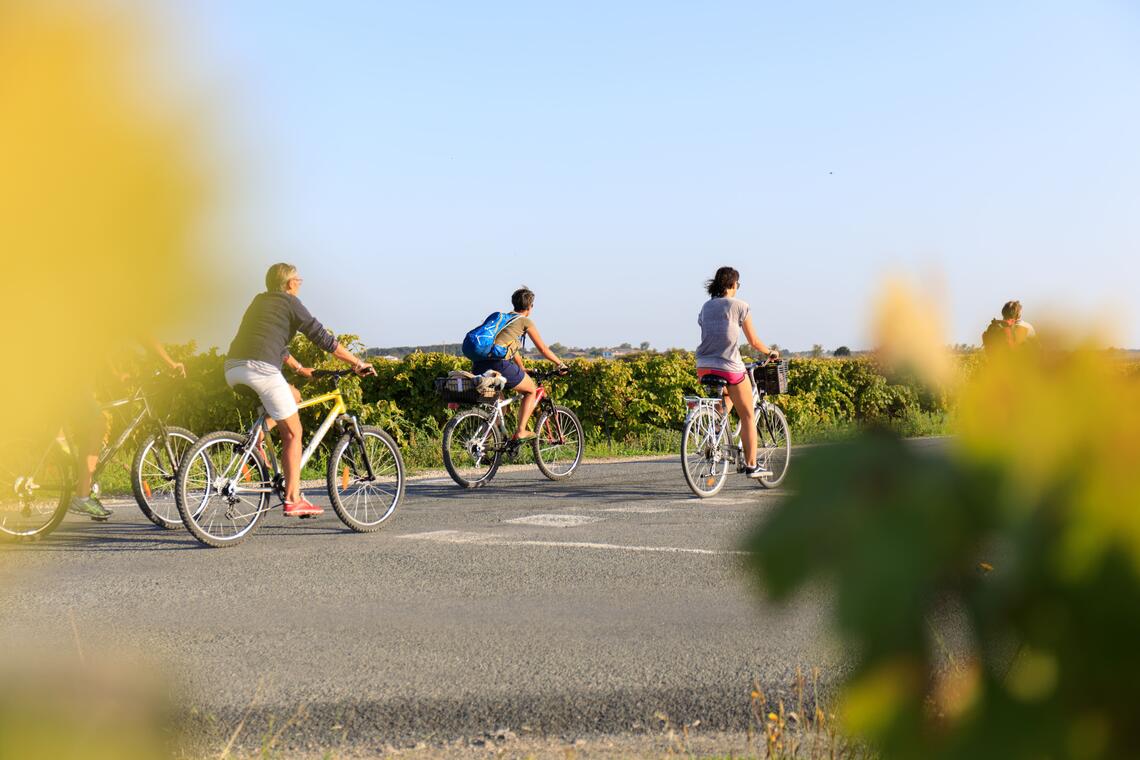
{"x":733,"y":378}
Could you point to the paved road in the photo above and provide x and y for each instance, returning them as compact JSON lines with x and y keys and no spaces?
{"x":571,"y":608}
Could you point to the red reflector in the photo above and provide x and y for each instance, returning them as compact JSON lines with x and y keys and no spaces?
{"x":691,"y":404}
{"x":453,"y":406}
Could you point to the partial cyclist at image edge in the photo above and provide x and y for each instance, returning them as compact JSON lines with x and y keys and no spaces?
{"x":92,"y":426}
{"x":503,"y":354}
{"x":722,"y":320}
{"x":256,"y":357}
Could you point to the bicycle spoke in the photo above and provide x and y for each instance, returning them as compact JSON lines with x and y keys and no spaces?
{"x":704,"y":456}
{"x":558,"y":444}
{"x":226,"y":491}
{"x":471,"y":448}
{"x":362,"y":502}
{"x":33,"y":484}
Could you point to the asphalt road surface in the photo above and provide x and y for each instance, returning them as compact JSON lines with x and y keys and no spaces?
{"x":586,"y":607}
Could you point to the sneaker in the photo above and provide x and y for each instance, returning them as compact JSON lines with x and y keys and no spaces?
{"x":89,"y":506}
{"x":302,"y":508}
{"x":756,"y":471}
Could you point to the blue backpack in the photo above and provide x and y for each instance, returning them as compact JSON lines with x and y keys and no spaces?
{"x":479,"y":344}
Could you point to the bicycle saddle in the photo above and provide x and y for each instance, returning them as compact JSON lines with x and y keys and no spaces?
{"x":714,"y":381}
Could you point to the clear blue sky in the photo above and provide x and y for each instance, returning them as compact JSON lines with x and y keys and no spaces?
{"x":420,"y":161}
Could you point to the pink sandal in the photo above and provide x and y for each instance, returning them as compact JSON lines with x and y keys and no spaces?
{"x":302,"y":508}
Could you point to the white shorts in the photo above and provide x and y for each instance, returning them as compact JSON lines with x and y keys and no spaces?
{"x":267,"y":382}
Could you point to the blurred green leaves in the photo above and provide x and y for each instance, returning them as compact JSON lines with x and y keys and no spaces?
{"x":1040,"y":485}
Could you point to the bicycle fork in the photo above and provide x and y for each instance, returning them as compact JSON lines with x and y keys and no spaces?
{"x":353,"y":425}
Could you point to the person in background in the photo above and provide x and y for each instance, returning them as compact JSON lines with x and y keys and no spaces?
{"x":1022,"y":330}
{"x":1009,"y":332}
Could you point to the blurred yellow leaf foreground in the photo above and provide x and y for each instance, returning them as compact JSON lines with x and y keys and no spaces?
{"x":100,"y":205}
{"x":100,"y":202}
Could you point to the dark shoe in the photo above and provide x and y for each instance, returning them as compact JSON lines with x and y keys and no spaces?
{"x":756,"y":471}
{"x":90,"y":507}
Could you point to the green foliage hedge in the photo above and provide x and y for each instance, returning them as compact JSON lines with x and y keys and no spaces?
{"x":615,"y":399}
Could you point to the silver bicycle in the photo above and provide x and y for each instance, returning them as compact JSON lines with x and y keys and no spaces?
{"x":710,"y":441}
{"x":476,"y":440}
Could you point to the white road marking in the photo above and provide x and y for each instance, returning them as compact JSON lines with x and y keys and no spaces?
{"x":491,"y":539}
{"x":639,"y":510}
{"x":714,"y":501}
{"x":448,"y":536}
{"x":554,"y":521}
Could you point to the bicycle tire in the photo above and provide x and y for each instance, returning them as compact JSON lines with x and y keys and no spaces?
{"x":562,"y":416}
{"x":773,"y":443}
{"x":488,"y":457}
{"x":23,"y":478}
{"x":387,"y":463}
{"x":161,"y":513}
{"x":198,"y":477}
{"x":700,"y":463}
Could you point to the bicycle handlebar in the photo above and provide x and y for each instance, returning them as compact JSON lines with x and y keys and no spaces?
{"x":542,"y":375}
{"x":334,"y":373}
{"x":767,"y":360}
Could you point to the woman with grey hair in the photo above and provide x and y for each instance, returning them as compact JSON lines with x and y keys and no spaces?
{"x":257,"y":354}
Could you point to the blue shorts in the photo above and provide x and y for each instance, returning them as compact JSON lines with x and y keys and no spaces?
{"x":507,"y":369}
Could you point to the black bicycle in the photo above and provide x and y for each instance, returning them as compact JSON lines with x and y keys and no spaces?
{"x":476,"y":440}
{"x":37,"y":480}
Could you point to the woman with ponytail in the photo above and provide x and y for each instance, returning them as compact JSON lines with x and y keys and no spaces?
{"x":722,"y":319}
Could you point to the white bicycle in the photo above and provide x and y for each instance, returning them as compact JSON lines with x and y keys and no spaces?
{"x":710,"y":441}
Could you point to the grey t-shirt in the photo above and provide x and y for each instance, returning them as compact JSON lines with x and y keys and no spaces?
{"x":720,"y":320}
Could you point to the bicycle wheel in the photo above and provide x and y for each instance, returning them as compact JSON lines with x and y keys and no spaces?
{"x":472,"y":448}
{"x":154,"y":471}
{"x":702,"y":458}
{"x":36,"y":483}
{"x":221,"y":491}
{"x":559,"y":443}
{"x":360,"y":501}
{"x":773,"y":443}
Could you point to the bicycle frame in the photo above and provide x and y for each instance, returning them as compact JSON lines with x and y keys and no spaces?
{"x":721,"y":428}
{"x":338,"y":411}
{"x":108,"y":452}
{"x":498,"y":419}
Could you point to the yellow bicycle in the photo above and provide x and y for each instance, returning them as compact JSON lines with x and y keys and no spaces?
{"x":227,"y":480}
